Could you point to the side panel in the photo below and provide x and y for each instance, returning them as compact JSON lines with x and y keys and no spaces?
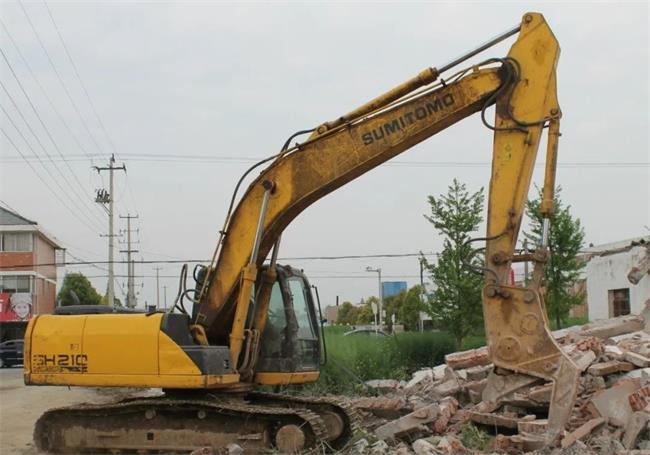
{"x":119,"y":344}
{"x":107,"y":350}
{"x":56,"y":348}
{"x":172,"y":359}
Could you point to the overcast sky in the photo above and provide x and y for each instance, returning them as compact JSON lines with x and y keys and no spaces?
{"x":222,"y":84}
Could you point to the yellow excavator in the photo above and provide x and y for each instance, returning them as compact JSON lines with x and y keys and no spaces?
{"x":253,"y":322}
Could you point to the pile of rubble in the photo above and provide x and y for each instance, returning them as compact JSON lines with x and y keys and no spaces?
{"x":439,"y":410}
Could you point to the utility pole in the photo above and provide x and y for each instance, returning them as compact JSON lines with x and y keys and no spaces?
{"x":109,"y":198}
{"x":157,"y":269}
{"x":381,"y":295}
{"x":130,"y":295}
{"x":165,"y":296}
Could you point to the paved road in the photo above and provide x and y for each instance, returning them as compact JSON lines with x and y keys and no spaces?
{"x":21,"y":406}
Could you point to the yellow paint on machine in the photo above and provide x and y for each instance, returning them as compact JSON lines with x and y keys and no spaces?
{"x":127,"y":350}
{"x":300,"y":377}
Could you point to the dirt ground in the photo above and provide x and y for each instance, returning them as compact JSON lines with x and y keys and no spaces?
{"x":21,"y":406}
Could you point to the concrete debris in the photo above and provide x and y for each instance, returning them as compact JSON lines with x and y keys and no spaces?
{"x":637,"y":424}
{"x":234,"y":449}
{"x":383,"y":385}
{"x":613,"y":403}
{"x":424,"y":447}
{"x":637,"y":359}
{"x":583,"y":430}
{"x":428,"y":414}
{"x":606,"y":368}
{"x":437,"y":415}
{"x":609,"y":328}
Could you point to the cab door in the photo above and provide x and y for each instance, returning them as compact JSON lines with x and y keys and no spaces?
{"x":290,"y":341}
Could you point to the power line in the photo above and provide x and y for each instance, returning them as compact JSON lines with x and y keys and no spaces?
{"x":76,"y":72}
{"x":181,"y":261}
{"x":44,"y":92}
{"x":47,"y":131}
{"x":60,"y":79}
{"x":202,"y":159}
{"x":84,"y":220}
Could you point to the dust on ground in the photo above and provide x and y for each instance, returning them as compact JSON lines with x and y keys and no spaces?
{"x":21,"y":406}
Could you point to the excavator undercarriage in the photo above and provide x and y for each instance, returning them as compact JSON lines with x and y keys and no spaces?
{"x":180,"y":423}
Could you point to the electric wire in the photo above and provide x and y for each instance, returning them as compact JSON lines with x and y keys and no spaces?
{"x":47,"y":168}
{"x":206,"y":159}
{"x":76,"y":72}
{"x":45,"y":128}
{"x":56,"y":194}
{"x":82,"y":84}
{"x":60,"y":79}
{"x":44,"y":92}
{"x":180,"y":261}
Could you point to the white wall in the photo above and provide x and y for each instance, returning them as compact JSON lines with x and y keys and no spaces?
{"x":610,"y":272}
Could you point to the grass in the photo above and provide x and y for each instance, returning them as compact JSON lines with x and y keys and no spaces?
{"x":473,"y":438}
{"x":353,"y":360}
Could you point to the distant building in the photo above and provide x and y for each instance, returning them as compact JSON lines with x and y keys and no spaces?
{"x":25,"y":289}
{"x":391,"y":288}
{"x":609,"y":293}
{"x":331,"y":313}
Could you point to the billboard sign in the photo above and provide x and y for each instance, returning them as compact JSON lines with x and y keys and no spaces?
{"x":15,"y":306}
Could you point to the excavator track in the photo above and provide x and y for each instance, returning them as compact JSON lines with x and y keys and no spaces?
{"x":170,"y":425}
{"x":341,"y":419}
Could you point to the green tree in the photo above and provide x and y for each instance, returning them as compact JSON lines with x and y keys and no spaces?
{"x":392,"y":304}
{"x":365,"y":315}
{"x":79,"y":284}
{"x":408,"y":312}
{"x":455,"y":304}
{"x":347,"y":314}
{"x":566,"y":238}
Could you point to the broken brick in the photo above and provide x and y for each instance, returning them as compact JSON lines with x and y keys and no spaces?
{"x":582,"y":431}
{"x":388,"y":408}
{"x":584,"y":359}
{"x":613,"y":366}
{"x":467,"y":359}
{"x":447,"y":409}
{"x":478,"y":372}
{"x":640,"y":399}
{"x":637,"y":359}
{"x":538,"y":427}
{"x":497,"y":420}
{"x":409,"y":423}
{"x":541,"y":393}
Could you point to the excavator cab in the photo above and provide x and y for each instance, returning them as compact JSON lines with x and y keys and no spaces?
{"x":291,"y":340}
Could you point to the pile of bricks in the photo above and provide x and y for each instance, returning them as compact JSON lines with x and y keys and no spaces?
{"x":428,"y":414}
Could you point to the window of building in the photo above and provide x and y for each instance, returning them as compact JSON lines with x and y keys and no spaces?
{"x":619,"y":302}
{"x":16,"y":241}
{"x":15,"y":283}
